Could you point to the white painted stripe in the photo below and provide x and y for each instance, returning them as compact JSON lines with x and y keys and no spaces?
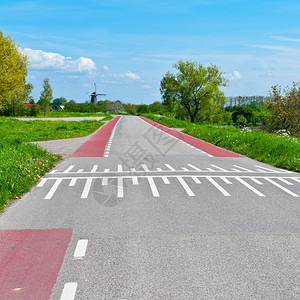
{"x":296,"y":179}
{"x":104,"y":180}
{"x":133,"y":170}
{"x":107,"y":152}
{"x":282,"y":187}
{"x":86,"y":189}
{"x":170,"y":168}
{"x":262,"y":171}
{"x":80,"y":171}
{"x":256,"y":180}
{"x":285,"y":181}
{"x":120,"y":168}
{"x":153,"y":187}
{"x":243,"y":168}
{"x":195,"y":168}
{"x":106,"y":170}
{"x":94,"y":169}
{"x":209,"y":155}
{"x":69,"y":169}
{"x":209,"y":169}
{"x":106,"y":156}
{"x":219,"y":168}
{"x":42,"y":182}
{"x":196,"y":180}
{"x":80,"y":249}
{"x":225,"y":193}
{"x":250,"y":187}
{"x":73,"y":182}
{"x":69,"y":291}
{"x":185,"y":186}
{"x":159,"y":169}
{"x":236,"y":170}
{"x":165,"y":179}
{"x":53,"y":171}
{"x":135,"y":180}
{"x":54,"y":188}
{"x":225,"y":180}
{"x":185,"y":169}
{"x":267,"y":169}
{"x":145,"y":168}
{"x":120,"y":188}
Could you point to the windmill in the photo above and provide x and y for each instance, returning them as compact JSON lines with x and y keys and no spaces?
{"x":94,"y":96}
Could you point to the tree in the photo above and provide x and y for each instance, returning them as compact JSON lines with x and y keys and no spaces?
{"x":195,"y":87}
{"x":13,"y":71}
{"x":46,"y":96}
{"x":58,"y":101}
{"x":142,"y":109}
{"x":244,"y":111}
{"x":285,"y":108}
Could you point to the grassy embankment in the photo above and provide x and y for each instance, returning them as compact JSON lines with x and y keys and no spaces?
{"x":66,"y":114}
{"x":22,"y":164}
{"x":279,"y":151}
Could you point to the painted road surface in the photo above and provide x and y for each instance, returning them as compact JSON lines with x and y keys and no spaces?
{"x":159,"y":215}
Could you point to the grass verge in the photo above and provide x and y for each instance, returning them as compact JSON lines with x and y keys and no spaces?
{"x":22,"y":164}
{"x":276,"y":150}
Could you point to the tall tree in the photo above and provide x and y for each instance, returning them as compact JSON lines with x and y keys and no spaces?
{"x":285,"y":108}
{"x":13,"y":71}
{"x":46,"y":96}
{"x":195,"y":87}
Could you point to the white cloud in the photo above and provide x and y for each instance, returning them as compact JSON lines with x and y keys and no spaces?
{"x":105,"y":68}
{"x":235,"y":76}
{"x":87,"y":85}
{"x":284,"y":38}
{"x":47,"y":60}
{"x":129,"y":75}
{"x":146,"y":87}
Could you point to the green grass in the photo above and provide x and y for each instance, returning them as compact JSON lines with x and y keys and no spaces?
{"x":21,"y":163}
{"x":269,"y":148}
{"x":66,"y":114}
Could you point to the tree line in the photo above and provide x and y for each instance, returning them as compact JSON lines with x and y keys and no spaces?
{"x":193,"y":93}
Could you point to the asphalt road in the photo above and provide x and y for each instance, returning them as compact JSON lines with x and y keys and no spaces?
{"x":156,"y":218}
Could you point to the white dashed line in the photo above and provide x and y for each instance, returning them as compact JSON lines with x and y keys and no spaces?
{"x":80,"y":249}
{"x":69,"y":291}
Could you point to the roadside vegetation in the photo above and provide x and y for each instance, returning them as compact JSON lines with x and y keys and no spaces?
{"x":22,"y":163}
{"x":280,"y":150}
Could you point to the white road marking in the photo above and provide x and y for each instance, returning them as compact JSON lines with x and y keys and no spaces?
{"x":94,"y":169}
{"x":262,"y":171}
{"x":135,"y":180}
{"x":159,"y":169}
{"x":104,"y":180}
{"x":267,"y":169}
{"x":165,"y":179}
{"x":256,"y":180}
{"x":54,"y":188}
{"x":296,"y":179}
{"x":225,"y":180}
{"x":133,"y":170}
{"x":69,"y":291}
{"x":153,"y":187}
{"x":282,"y":187}
{"x":80,"y":249}
{"x":225,"y":193}
{"x":285,"y":181}
{"x":106,"y":170}
{"x":170,"y":168}
{"x":120,"y":188}
{"x":185,"y":169}
{"x":209,"y":169}
{"x":80,"y":171}
{"x":196,"y":179}
{"x":244,"y":169}
{"x":120,"y":169}
{"x":42,"y":182}
{"x":73,"y":182}
{"x":86,"y":189}
{"x":106,"y":156}
{"x":53,"y":171}
{"x":185,"y":186}
{"x":69,"y":169}
{"x":219,"y":168}
{"x":236,"y":170}
{"x":250,"y":187}
{"x":195,"y":168}
{"x":145,"y":168}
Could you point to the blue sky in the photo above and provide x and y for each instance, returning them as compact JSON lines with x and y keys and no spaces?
{"x":127,"y":46}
